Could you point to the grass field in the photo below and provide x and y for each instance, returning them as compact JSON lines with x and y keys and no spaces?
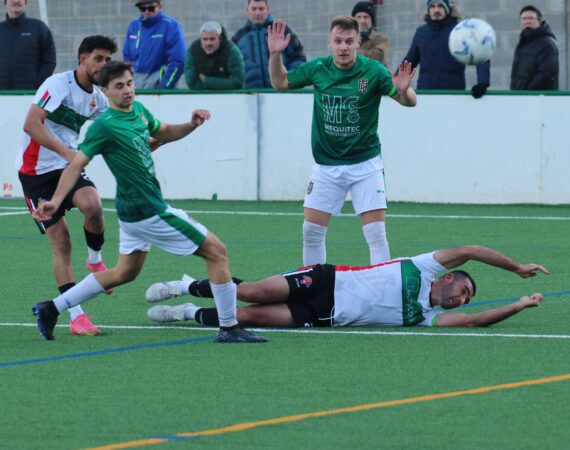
{"x":146,"y":386}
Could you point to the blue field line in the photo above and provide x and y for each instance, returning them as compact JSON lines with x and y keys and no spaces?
{"x":510,"y":300}
{"x":176,"y":438}
{"x":105,"y":352}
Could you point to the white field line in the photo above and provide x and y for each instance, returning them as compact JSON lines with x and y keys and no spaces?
{"x":23,"y":210}
{"x":317,"y":331}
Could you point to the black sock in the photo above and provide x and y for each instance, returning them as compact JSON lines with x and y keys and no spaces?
{"x":65,"y":287}
{"x":207,"y":316}
{"x":94,"y":241}
{"x":201,"y":288}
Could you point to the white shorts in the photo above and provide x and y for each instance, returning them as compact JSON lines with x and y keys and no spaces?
{"x":173,"y":231}
{"x":329,"y":186}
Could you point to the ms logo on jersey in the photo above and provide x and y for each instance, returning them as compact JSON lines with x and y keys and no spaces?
{"x":362,"y":85}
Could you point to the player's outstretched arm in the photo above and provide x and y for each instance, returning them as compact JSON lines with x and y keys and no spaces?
{"x":276,"y":43}
{"x":67,"y":180}
{"x":457,"y":256}
{"x":402,"y":80}
{"x":173,"y":132}
{"x":488,"y":317}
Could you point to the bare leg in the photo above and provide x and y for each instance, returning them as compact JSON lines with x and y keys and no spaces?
{"x":88,"y":202}
{"x":274,"y":289}
{"x":58,"y":235}
{"x":127,"y":269}
{"x":277,"y":315}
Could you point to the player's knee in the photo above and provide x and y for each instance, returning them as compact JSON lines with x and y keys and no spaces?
{"x":215,"y":250}
{"x":248,"y":316}
{"x":313,"y":233}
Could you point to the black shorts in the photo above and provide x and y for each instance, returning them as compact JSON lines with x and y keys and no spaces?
{"x":42,"y":187}
{"x":311,"y":295}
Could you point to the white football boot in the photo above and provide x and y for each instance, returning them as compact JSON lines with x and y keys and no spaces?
{"x":168,"y":289}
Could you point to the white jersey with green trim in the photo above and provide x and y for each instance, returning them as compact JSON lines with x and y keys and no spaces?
{"x":389,"y":294}
{"x":68,"y":107}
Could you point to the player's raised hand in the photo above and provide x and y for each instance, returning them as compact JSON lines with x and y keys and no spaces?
{"x":276,"y":39}
{"x":402,"y":78}
{"x":45,"y":211}
{"x":533,"y":300}
{"x":200,"y":116}
{"x":530,"y":270}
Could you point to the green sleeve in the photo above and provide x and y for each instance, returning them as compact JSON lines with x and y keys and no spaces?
{"x":96,"y":140}
{"x":385,"y":86}
{"x":190,"y":72}
{"x":153,"y":123}
{"x":303,"y":75}
{"x":236,"y":70}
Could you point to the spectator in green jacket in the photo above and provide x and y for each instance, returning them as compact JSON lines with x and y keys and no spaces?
{"x":214,"y":61}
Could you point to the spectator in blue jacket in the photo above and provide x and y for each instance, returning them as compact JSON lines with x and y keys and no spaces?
{"x":438,"y":68}
{"x":252,"y":42}
{"x":155,"y":45}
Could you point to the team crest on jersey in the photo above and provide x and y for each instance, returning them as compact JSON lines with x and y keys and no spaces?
{"x":143,"y":118}
{"x":310,"y":188}
{"x":306,"y":281}
{"x":362,"y":85}
{"x":92,"y":105}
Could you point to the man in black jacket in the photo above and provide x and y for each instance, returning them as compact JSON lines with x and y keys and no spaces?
{"x":27,"y":50}
{"x":535,"y":65}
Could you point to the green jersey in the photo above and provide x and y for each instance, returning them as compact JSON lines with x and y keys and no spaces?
{"x":123,"y":139}
{"x":345,"y":107}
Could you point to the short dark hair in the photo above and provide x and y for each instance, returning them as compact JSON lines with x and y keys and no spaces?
{"x":112,"y":70}
{"x":90,"y":43}
{"x":345,"y":23}
{"x":264,"y":1}
{"x":533,"y":9}
{"x":465,"y":275}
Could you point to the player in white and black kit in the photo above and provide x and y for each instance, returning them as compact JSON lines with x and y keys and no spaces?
{"x":401,"y":292}
{"x":62,"y":104}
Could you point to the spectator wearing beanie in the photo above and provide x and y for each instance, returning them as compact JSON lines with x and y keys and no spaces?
{"x":373,"y":45}
{"x":430,"y":50}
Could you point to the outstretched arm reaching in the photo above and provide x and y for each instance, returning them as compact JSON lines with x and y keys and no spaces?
{"x":488,"y":317}
{"x":402,"y":80}
{"x":457,"y":256}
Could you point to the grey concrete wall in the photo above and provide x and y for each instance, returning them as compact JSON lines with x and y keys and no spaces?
{"x":72,"y":20}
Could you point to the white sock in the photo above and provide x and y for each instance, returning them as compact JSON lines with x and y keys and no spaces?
{"x":226,"y":302}
{"x":85,"y":290}
{"x":375,"y":234}
{"x":314,"y":250}
{"x":75,"y":312}
{"x":190,"y":311}
{"x":94,"y":256}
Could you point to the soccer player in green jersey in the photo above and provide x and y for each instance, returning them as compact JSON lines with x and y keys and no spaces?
{"x":345,"y":142}
{"x":122,"y":135}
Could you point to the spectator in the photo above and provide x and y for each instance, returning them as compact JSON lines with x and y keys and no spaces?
{"x":252,"y":41}
{"x":373,"y":44}
{"x":213,"y":61}
{"x":27,"y":50}
{"x":535,"y":65}
{"x":438,"y":68}
{"x":155,"y":45}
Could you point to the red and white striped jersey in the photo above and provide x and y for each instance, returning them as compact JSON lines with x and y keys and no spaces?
{"x":68,"y":106}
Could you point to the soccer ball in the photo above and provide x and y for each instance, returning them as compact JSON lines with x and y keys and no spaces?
{"x":472,"y":41}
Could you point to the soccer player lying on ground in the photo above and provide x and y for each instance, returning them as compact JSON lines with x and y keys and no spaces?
{"x":401,"y":292}
{"x":122,"y":135}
